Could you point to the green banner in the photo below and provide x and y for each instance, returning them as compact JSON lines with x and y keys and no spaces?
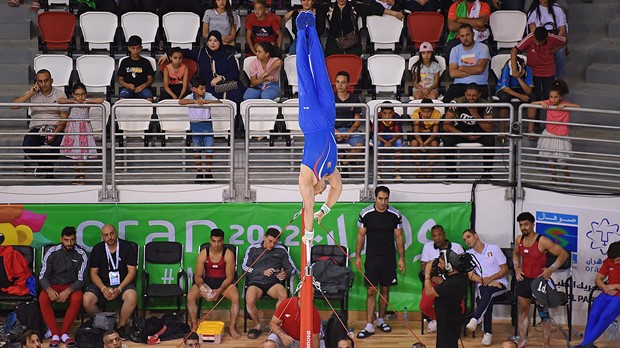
{"x":243,"y":223}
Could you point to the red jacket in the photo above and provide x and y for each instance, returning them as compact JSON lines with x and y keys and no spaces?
{"x":17,"y":270}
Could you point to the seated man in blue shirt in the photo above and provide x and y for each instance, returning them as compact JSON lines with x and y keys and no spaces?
{"x":509,"y":87}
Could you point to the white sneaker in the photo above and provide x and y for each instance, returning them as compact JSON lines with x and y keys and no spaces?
{"x":472,"y":325}
{"x":432,"y":326}
{"x":486,"y":339}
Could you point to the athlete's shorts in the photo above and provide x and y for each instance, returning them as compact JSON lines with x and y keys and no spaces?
{"x":380,"y":272}
{"x":524,"y":288}
{"x":264,"y":287}
{"x":320,"y":152}
{"x":213,"y":283}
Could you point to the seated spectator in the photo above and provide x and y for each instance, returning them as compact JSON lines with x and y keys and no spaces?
{"x":509,"y":87}
{"x":135,"y":74}
{"x":348,"y":120}
{"x":469,"y":63}
{"x":387,"y":124}
{"x":221,"y":18}
{"x":549,"y":15}
{"x":468,"y":120}
{"x":113,"y":270}
{"x":386,"y":8}
{"x":506,"y":5}
{"x":201,"y":127}
{"x":286,"y":321}
{"x":422,"y":5}
{"x":426,"y":73}
{"x":539,"y":48}
{"x":30,"y":339}
{"x":606,"y":306}
{"x":213,"y":277}
{"x":267,"y":264}
{"x":343,"y":37}
{"x":167,"y":6}
{"x":264,"y":74}
{"x":46,"y":123}
{"x":426,"y":125}
{"x":62,"y":279}
{"x":220,"y":56}
{"x":306,"y":5}
{"x":176,"y":76}
{"x":119,"y":7}
{"x":476,"y":13}
{"x":262,"y":26}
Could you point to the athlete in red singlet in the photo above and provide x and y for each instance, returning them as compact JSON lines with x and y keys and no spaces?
{"x":530,"y":258}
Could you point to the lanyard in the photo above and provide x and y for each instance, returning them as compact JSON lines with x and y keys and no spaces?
{"x":111,"y":264}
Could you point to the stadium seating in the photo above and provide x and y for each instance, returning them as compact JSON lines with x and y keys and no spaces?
{"x":174,"y":121}
{"x":99,"y":30}
{"x":56,"y":31}
{"x":181,"y":29}
{"x":386,"y":73}
{"x":290,"y":69}
{"x":96,"y":72}
{"x":345,"y":62}
{"x":258,"y":119}
{"x":143,"y":24}
{"x":507,"y":27}
{"x":59,"y":65}
{"x":425,"y":26}
{"x":384,"y":32}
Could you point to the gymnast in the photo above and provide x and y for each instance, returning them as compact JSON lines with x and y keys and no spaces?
{"x":317,"y":115}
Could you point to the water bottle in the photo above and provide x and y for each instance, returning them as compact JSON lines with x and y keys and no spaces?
{"x":613,"y":333}
{"x":405,"y":317}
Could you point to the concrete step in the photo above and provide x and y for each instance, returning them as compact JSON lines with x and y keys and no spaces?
{"x":598,"y":96}
{"x":15,"y":74}
{"x":15,"y":29}
{"x":15,"y":13}
{"x":17,"y":55}
{"x":603,"y":74}
{"x":19,"y":44}
{"x":593,"y":17}
{"x":10,"y":92}
{"x":614,"y":28}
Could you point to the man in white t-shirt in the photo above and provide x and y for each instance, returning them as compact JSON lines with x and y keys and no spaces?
{"x":491,"y":279}
{"x":430,"y":252}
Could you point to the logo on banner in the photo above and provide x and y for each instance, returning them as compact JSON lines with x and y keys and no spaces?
{"x":601,"y":234}
{"x":560,"y":228}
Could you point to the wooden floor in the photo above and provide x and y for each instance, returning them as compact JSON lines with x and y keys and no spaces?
{"x":402,"y":338}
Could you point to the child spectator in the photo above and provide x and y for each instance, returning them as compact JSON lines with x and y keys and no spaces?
{"x":306,"y":5}
{"x":425,"y":129}
{"x":176,"y":75}
{"x":78,"y":142}
{"x":426,"y":73}
{"x":520,"y":86}
{"x":222,"y":18}
{"x":264,"y":74}
{"x":262,"y":26}
{"x":201,"y":127}
{"x":388,"y":123}
{"x":135,"y":75}
{"x":554,"y":143}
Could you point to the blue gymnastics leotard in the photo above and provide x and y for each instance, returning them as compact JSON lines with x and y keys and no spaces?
{"x":317,"y":109}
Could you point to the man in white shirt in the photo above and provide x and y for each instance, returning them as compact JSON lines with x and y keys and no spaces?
{"x":491,"y":279}
{"x":430,"y":252}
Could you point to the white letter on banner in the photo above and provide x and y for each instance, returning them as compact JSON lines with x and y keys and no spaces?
{"x":234,"y":239}
{"x":170,"y":235}
{"x":122,"y":227}
{"x":426,"y":226}
{"x":342,"y":233}
{"x":250,"y":234}
{"x":189,"y":232}
{"x":80,"y":232}
{"x":407,"y":232}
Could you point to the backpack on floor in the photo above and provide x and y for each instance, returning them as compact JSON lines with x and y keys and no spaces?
{"x":29,"y":315}
{"x":334,"y":330}
{"x":88,"y":336}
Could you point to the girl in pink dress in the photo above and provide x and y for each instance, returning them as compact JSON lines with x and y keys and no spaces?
{"x":78,"y":143}
{"x":554,"y":143}
{"x":176,"y":76}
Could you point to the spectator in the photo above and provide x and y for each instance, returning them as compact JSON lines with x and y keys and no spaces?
{"x":389,"y":123}
{"x":468,"y":120}
{"x":46,"y":123}
{"x":176,"y":76}
{"x":213,"y":277}
{"x":606,"y":306}
{"x":262,"y":26}
{"x":506,"y":5}
{"x":386,"y":8}
{"x":425,"y":129}
{"x":554,"y":143}
{"x":490,"y":280}
{"x":530,"y":258}
{"x":220,"y":56}
{"x":549,"y":15}
{"x":113,"y":270}
{"x":284,"y":325}
{"x":264,"y":73}
{"x":422,"y":5}
{"x":509,"y":87}
{"x":62,"y":279}
{"x":111,"y":339}
{"x":345,"y":343}
{"x":469,"y":63}
{"x":79,"y":141}
{"x":306,"y":5}
{"x":431,"y":251}
{"x":348,"y":120}
{"x":539,"y":47}
{"x":476,"y":13}
{"x":223,"y":19}
{"x":426,"y":73}
{"x":192,"y":341}
{"x":201,"y":127}
{"x":265,"y":274}
{"x":380,"y":227}
{"x":135,"y":74}
{"x":30,"y":339}
{"x":167,"y":6}
{"x":118,"y":7}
